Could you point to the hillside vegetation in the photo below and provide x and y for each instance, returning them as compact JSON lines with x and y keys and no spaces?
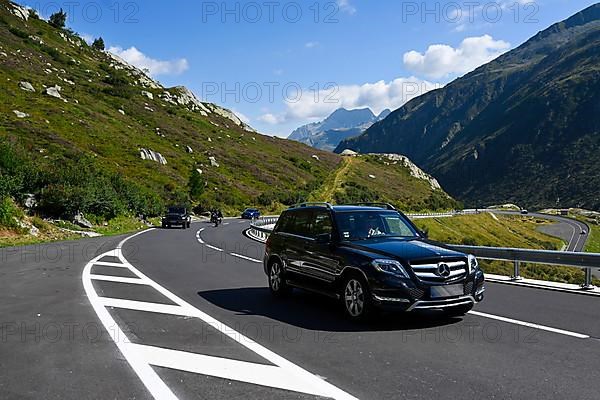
{"x":75,"y":122}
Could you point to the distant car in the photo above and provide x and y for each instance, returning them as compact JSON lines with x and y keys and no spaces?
{"x":524,"y":212}
{"x":177,"y":216}
{"x":583,"y":232}
{"x":250,"y":213}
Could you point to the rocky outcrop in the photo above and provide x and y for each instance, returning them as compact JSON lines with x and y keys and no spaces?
{"x":20,"y":114}
{"x":21,"y":12}
{"x":147,"y":94}
{"x":81,"y":221}
{"x":225,"y":113}
{"x":151,"y":155}
{"x":26,"y":86}
{"x":415,"y":171}
{"x":54,"y":91}
{"x":213,"y":162}
{"x":184,"y":97}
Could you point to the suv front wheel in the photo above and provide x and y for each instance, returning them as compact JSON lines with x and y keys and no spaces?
{"x":277,"y":284}
{"x":356,"y":298}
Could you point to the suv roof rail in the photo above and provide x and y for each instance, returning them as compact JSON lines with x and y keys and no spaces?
{"x":312,"y":204}
{"x":387,"y":206}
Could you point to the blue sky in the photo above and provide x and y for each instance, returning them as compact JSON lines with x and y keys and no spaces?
{"x":281,"y":64}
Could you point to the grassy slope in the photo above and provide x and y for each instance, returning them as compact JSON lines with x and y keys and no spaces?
{"x":391,"y":183}
{"x":251,"y":164}
{"x":506,"y":231}
{"x":593,"y":243}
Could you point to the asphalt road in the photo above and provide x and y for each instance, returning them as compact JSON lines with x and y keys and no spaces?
{"x":187,"y":314}
{"x":568,"y":229}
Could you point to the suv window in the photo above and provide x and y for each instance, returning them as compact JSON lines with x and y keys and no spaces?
{"x":297,"y":222}
{"x":302,"y":223}
{"x":362,"y":225}
{"x":285,"y":222}
{"x":322,"y":223}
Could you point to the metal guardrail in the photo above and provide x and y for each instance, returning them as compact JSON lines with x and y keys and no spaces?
{"x":261,"y":228}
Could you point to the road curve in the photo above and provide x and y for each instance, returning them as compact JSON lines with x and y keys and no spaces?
{"x":568,"y":229}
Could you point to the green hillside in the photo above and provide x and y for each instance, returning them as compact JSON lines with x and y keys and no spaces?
{"x":81,"y":149}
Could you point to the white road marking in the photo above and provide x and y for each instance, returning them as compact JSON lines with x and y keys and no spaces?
{"x":198,"y":237}
{"x":119,"y":279}
{"x":241,"y":371}
{"x":246,"y":258}
{"x":145,"y":306}
{"x":110,"y":264}
{"x":284,"y":374}
{"x":210,"y":246}
{"x":225,"y":223}
{"x":530,"y":325}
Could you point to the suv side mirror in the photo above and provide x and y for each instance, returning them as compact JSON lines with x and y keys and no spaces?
{"x":323,"y":238}
{"x":424,"y":234}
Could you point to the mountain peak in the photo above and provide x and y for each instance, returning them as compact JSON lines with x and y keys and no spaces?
{"x":341,"y":124}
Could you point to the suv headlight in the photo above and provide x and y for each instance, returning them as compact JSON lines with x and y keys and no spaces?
{"x":473,"y":264}
{"x":392,"y":267}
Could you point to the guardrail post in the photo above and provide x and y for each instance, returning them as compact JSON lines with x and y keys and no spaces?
{"x":517,"y":271}
{"x":587,"y":285}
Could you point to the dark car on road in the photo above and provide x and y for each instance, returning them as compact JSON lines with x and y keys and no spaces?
{"x":250,"y":213}
{"x":177,"y":216}
{"x":368,"y":256}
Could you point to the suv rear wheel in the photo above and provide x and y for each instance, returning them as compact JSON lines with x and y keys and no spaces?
{"x":277,"y":283}
{"x":356,"y":298}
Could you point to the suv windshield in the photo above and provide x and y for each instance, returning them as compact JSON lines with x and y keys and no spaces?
{"x":176,"y":210}
{"x":361,"y":225}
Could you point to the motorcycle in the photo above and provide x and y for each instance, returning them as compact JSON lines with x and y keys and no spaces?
{"x":215,"y":219}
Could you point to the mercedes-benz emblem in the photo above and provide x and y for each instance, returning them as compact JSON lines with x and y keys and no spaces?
{"x":443,"y":270}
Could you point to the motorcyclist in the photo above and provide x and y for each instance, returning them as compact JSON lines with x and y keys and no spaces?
{"x":216,"y":217}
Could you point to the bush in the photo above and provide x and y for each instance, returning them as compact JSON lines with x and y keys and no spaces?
{"x":98,"y":44}
{"x":18,"y":32}
{"x":356,"y":193}
{"x":196,"y":185}
{"x":8,"y":212}
{"x":58,"y":19}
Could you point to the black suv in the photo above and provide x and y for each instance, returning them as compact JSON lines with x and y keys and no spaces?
{"x":368,"y":256}
{"x":177,"y":216}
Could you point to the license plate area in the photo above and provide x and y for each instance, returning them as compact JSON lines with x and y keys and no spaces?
{"x":438,"y":292}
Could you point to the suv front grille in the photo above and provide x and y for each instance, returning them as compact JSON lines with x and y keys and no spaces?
{"x":416,"y":293}
{"x":430,"y":271}
{"x":469,"y":288}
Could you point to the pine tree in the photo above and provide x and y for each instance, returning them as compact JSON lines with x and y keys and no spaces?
{"x":58,"y":19}
{"x":98,"y":44}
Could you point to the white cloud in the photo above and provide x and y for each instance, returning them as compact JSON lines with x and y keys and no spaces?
{"x":156,"y":67}
{"x":442,"y":61}
{"x":270,"y":119}
{"x":311,"y":45}
{"x":377,"y":96}
{"x":346,"y":6}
